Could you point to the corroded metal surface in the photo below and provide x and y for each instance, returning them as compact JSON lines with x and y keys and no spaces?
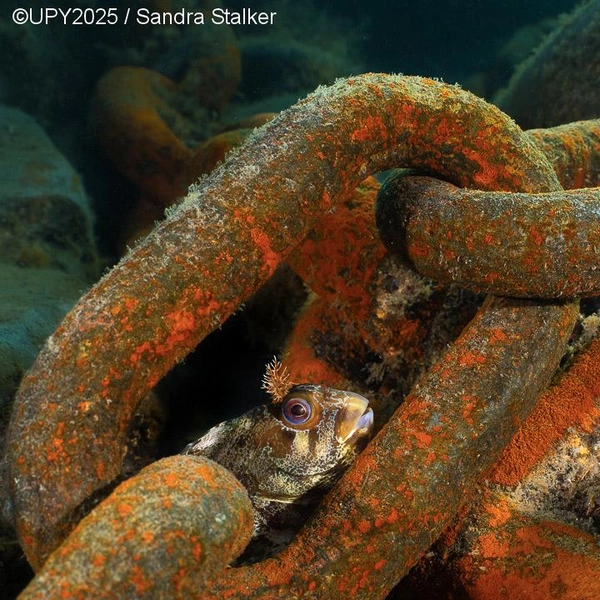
{"x":510,"y":244}
{"x":217,"y":248}
{"x":425,"y":463}
{"x":158,"y":535}
{"x":506,"y":553}
{"x":572,"y":149}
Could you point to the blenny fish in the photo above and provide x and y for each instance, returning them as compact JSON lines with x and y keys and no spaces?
{"x":288,"y":453}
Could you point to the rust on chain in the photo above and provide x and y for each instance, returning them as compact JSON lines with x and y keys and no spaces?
{"x":506,"y":553}
{"x":506,"y":546}
{"x":544,"y":558}
{"x":406,"y":486}
{"x":573,"y":402}
{"x":218,"y":247}
{"x":510,"y":244}
{"x":160,"y":533}
{"x":339,"y":257}
{"x":572,"y":149}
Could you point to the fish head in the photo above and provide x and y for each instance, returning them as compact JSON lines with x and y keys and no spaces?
{"x":314,"y":435}
{"x":293,"y":448}
{"x":340,"y":417}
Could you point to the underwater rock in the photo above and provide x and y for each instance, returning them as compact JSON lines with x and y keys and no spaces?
{"x":46,"y":245}
{"x":45,"y":218}
{"x":559,"y":83}
{"x":32,"y":303}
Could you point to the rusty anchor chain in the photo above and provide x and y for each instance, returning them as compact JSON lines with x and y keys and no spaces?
{"x":71,"y":414}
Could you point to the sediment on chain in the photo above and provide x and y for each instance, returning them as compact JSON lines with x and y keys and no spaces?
{"x":510,"y":244}
{"x":160,"y":534}
{"x":406,"y":487}
{"x":544,"y":558}
{"x":213,"y":251}
{"x":573,"y":150}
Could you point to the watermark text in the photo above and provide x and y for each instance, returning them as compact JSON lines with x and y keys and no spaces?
{"x":104,"y":16}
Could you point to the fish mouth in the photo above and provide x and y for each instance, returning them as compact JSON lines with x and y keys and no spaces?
{"x":355,"y":419}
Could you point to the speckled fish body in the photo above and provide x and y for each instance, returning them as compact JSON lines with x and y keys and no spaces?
{"x":288,"y":454}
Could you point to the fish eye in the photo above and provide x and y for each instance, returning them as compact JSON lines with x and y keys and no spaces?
{"x":296,"y":411}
